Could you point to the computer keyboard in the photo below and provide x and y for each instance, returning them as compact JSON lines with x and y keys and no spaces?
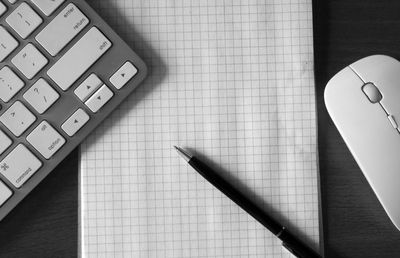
{"x":62,"y":71}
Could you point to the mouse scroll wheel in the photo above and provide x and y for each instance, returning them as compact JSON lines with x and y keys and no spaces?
{"x":372,"y":92}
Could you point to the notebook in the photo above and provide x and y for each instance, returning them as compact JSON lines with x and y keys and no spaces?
{"x":231,"y":80}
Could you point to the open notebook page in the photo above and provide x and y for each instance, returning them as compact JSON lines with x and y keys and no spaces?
{"x":231,"y":80}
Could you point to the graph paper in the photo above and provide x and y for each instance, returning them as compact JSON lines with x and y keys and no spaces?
{"x":231,"y":80}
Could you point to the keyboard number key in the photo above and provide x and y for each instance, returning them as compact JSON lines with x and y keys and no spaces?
{"x":123,"y":75}
{"x":46,"y":140}
{"x":41,"y":96}
{"x":17,"y":118}
{"x":24,"y":20}
{"x":5,"y":142}
{"x":19,"y":165}
{"x":99,"y":99}
{"x":7,"y":43}
{"x":75,"y":122}
{"x":29,"y":61}
{"x":5,"y":193}
{"x":10,"y":84}
{"x":47,"y":6}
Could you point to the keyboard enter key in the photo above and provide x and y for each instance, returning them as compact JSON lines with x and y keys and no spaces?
{"x":46,"y":140}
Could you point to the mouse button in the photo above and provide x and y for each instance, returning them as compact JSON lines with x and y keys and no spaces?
{"x":343,"y":89}
{"x":372,"y":68}
{"x":372,"y":92}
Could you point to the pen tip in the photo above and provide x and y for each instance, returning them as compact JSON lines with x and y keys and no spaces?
{"x":183,"y":153}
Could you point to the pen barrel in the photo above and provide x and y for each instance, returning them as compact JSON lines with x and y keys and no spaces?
{"x":240,"y":199}
{"x":295,"y":246}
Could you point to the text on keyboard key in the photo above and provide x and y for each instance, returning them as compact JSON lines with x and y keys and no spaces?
{"x":5,"y":193}
{"x":79,"y":58}
{"x":46,"y":140}
{"x":5,"y":142}
{"x":88,"y":87}
{"x":7,"y":43}
{"x":99,"y":99}
{"x":29,"y":61}
{"x":19,"y":165}
{"x":75,"y":122}
{"x":123,"y":75}
{"x":17,"y":118}
{"x":47,"y":6}
{"x":10,"y":84}
{"x":24,"y":20}
{"x":41,"y":96}
{"x":55,"y":36}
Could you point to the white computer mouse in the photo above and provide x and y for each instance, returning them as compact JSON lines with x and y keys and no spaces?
{"x":363,"y":100}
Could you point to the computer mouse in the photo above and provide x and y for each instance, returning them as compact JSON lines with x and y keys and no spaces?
{"x":363,"y":101}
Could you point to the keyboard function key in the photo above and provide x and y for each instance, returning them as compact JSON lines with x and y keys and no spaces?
{"x":5,"y":193}
{"x":29,"y":61}
{"x":60,"y":31}
{"x":5,"y":142}
{"x":41,"y":96}
{"x":75,"y":122}
{"x":88,"y":87}
{"x":17,"y":118}
{"x":79,"y":58}
{"x":7,"y":44}
{"x":19,"y":165}
{"x":24,"y":20}
{"x":46,"y":140}
{"x":10,"y":84}
{"x":123,"y":75}
{"x":3,"y":8}
{"x":47,"y":6}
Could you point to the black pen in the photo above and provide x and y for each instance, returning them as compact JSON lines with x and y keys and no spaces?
{"x":289,"y":241}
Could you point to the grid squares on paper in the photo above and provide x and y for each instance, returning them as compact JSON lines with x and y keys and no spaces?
{"x":232,"y":80}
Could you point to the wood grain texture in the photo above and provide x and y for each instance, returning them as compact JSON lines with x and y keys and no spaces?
{"x":45,"y":223}
{"x":355,"y":224}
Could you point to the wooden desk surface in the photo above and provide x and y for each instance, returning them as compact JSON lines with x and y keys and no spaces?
{"x":355,"y":225}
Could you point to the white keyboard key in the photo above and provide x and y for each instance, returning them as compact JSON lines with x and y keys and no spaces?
{"x":75,"y":122}
{"x":123,"y":75}
{"x":12,"y":1}
{"x":41,"y":96}
{"x":62,"y":29}
{"x":10,"y":84}
{"x":5,"y":193}
{"x":24,"y":20}
{"x":7,"y":43}
{"x":3,"y":9}
{"x":17,"y":118}
{"x":79,"y":58}
{"x":5,"y":142}
{"x":29,"y":61}
{"x":46,"y":140}
{"x":19,"y":165}
{"x":47,"y":6}
{"x":99,"y":99}
{"x":88,"y":87}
